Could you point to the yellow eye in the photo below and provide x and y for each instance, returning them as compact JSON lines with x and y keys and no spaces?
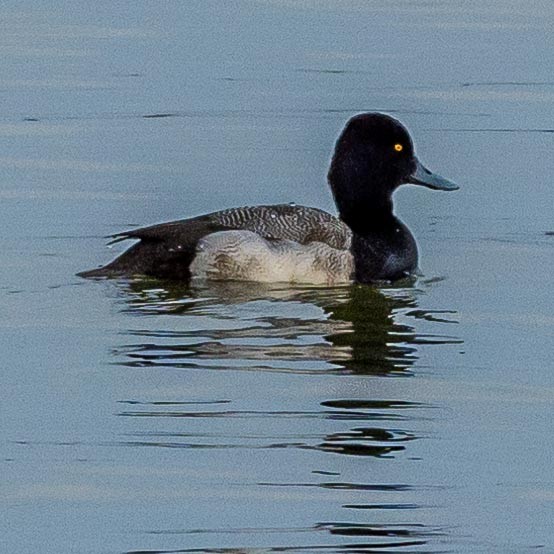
{"x":398,"y":147}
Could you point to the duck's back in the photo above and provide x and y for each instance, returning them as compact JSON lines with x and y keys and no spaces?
{"x":276,"y":242}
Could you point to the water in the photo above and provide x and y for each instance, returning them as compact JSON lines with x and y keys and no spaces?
{"x":144,"y":417}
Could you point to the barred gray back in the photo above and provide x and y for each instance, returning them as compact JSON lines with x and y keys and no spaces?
{"x":286,"y":221}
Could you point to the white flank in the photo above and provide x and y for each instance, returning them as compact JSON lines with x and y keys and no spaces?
{"x":246,"y":256}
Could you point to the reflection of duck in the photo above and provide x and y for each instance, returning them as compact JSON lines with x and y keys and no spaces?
{"x":378,"y":343}
{"x":367,"y":441}
{"x":299,"y":330}
{"x":373,"y":156}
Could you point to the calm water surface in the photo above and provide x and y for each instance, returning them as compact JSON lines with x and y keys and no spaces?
{"x":145,"y":417}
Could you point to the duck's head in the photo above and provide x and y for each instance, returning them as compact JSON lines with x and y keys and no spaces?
{"x":373,"y":156}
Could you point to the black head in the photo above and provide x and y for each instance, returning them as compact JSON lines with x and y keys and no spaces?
{"x":373,"y":156}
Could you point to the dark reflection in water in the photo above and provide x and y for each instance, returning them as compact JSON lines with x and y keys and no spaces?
{"x":315,"y":332}
{"x":359,"y":441}
{"x":355,"y":548}
{"x":347,"y":329}
{"x":378,"y":539}
{"x":383,"y":538}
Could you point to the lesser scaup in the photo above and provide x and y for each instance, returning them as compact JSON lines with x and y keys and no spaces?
{"x":373,"y":156}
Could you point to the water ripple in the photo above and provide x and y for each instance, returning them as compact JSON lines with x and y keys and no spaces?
{"x":304,"y":331}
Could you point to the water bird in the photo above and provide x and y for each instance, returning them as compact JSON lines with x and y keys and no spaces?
{"x":373,"y":156}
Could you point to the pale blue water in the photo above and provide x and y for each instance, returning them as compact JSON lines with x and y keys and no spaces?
{"x":136,"y":417}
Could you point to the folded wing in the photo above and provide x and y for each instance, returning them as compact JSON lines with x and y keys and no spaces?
{"x":167,"y":250}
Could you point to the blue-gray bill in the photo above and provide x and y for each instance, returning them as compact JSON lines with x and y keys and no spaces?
{"x":422,"y":176}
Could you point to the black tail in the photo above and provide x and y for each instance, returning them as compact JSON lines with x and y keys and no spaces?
{"x":125,"y":264}
{"x":99,"y":273}
{"x":154,"y":259}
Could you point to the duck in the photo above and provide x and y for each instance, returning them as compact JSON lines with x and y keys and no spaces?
{"x":365,"y":243}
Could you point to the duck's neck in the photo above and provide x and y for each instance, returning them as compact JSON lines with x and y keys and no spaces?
{"x":374,"y":215}
{"x":362,"y":190}
{"x":366,"y":209}
{"x":382,"y":246}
